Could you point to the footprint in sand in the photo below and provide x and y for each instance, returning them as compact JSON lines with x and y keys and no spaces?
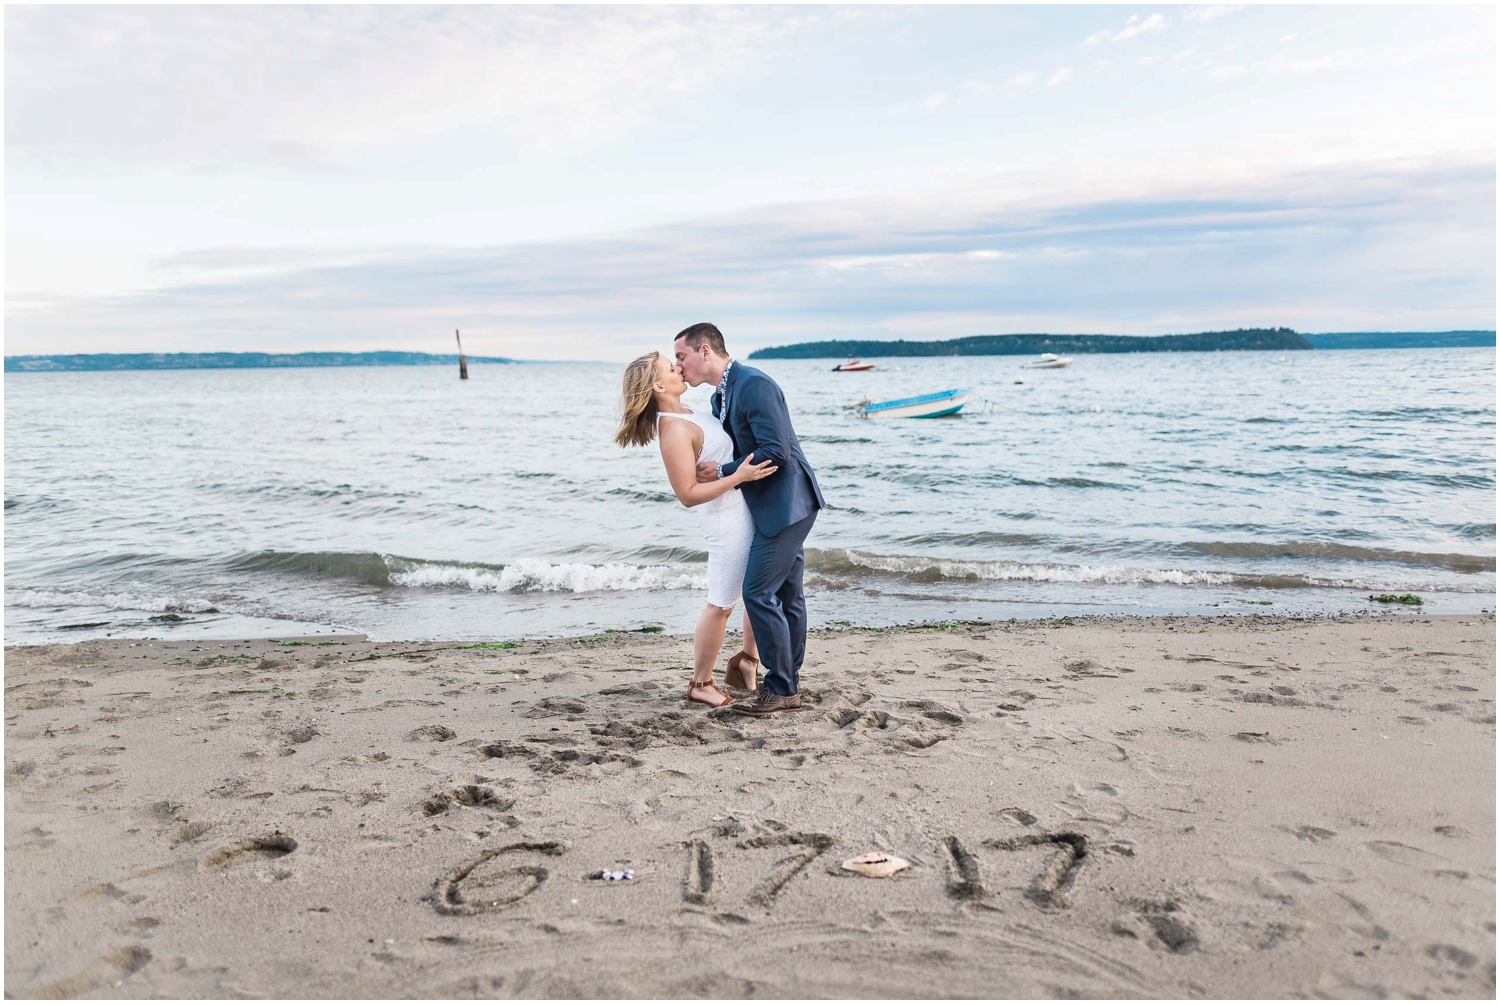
{"x":1314,"y":872}
{"x":475,"y":796}
{"x":921,"y":725}
{"x":1405,"y":854}
{"x":1453,"y":955}
{"x":111,"y":968}
{"x":645,"y":687}
{"x":162,"y":812}
{"x":189,"y":833}
{"x":936,"y":712}
{"x":555,"y":707}
{"x":842,"y":717}
{"x":1081,"y":668}
{"x":1096,"y":803}
{"x":1163,"y":925}
{"x":301,"y":734}
{"x":431,"y":734}
{"x":46,"y":694}
{"x":1018,"y":816}
{"x":1276,"y":934}
{"x":246,"y":850}
{"x":1016,"y":700}
{"x":233,"y":787}
{"x":671,"y":728}
{"x":562,"y":761}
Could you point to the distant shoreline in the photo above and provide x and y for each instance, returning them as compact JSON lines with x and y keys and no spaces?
{"x":1242,"y":340}
{"x":1247,"y":340}
{"x":97,"y":361}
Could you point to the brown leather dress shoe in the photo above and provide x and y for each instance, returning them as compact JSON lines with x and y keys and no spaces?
{"x":767,"y":702}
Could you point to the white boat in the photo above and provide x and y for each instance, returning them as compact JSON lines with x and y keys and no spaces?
{"x":944,"y":402}
{"x":1050,"y":361}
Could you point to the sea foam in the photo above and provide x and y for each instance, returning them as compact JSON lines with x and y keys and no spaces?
{"x":526,"y":576}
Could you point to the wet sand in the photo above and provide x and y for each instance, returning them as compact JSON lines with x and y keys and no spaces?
{"x":1173,"y":807}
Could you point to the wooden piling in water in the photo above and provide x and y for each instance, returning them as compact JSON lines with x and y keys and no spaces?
{"x":463,"y":363}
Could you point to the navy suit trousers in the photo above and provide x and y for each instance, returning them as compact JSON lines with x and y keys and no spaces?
{"x":773,"y":598}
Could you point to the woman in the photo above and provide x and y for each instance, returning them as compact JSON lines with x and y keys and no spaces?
{"x":653,"y":409}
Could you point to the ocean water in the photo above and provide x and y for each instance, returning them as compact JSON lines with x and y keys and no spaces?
{"x":402,"y":503}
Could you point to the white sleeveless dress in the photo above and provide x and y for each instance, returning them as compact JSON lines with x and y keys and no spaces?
{"x":727,"y":525}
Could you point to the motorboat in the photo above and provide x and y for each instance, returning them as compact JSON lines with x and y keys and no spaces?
{"x":944,"y":402}
{"x":1050,"y":361}
{"x":854,"y":366}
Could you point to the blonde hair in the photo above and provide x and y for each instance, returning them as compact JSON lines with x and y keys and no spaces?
{"x":638,"y":410}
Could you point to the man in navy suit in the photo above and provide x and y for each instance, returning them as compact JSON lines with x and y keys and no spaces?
{"x":782,"y":506}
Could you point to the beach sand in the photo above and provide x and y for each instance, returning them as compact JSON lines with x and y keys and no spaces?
{"x":1172,"y":807}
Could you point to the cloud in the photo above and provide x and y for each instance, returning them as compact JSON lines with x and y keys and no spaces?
{"x":1059,"y":75}
{"x":1211,"y":12}
{"x":1134,"y":26}
{"x":1380,"y":58}
{"x":1392,"y":243}
{"x":1011,"y":87}
{"x":1342,"y":59}
{"x":1226,"y":72}
{"x":299,"y":87}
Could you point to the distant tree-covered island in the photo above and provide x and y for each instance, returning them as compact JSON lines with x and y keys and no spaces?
{"x":1277,"y":339}
{"x":1403,"y":340}
{"x":228,"y":360}
{"x":1240,"y":340}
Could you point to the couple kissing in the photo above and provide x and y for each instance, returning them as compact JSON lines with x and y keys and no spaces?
{"x":743,"y":470}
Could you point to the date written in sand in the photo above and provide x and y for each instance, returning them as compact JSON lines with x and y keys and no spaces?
{"x":720,"y":870}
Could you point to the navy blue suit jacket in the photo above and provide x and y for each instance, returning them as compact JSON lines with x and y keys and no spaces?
{"x":758,"y":423}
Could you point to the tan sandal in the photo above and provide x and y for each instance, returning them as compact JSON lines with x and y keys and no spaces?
{"x":736,"y":675}
{"x":695,"y":688}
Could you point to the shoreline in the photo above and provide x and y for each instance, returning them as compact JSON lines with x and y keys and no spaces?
{"x":271,"y":629}
{"x":1239,"y":805}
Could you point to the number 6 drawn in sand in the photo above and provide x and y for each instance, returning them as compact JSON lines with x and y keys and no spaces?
{"x":698,"y":884}
{"x":468,"y":890}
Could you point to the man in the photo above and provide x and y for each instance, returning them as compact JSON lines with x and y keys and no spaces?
{"x":783,"y":507}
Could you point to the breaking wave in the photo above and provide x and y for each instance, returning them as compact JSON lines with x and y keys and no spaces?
{"x":151,"y":603}
{"x":836,"y":566}
{"x":546,"y":577}
{"x":521,"y":576}
{"x":1326,"y":551}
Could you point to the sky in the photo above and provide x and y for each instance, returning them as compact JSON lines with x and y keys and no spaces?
{"x":581,"y":183}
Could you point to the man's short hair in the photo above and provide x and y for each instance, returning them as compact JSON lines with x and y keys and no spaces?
{"x":702,"y":334}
